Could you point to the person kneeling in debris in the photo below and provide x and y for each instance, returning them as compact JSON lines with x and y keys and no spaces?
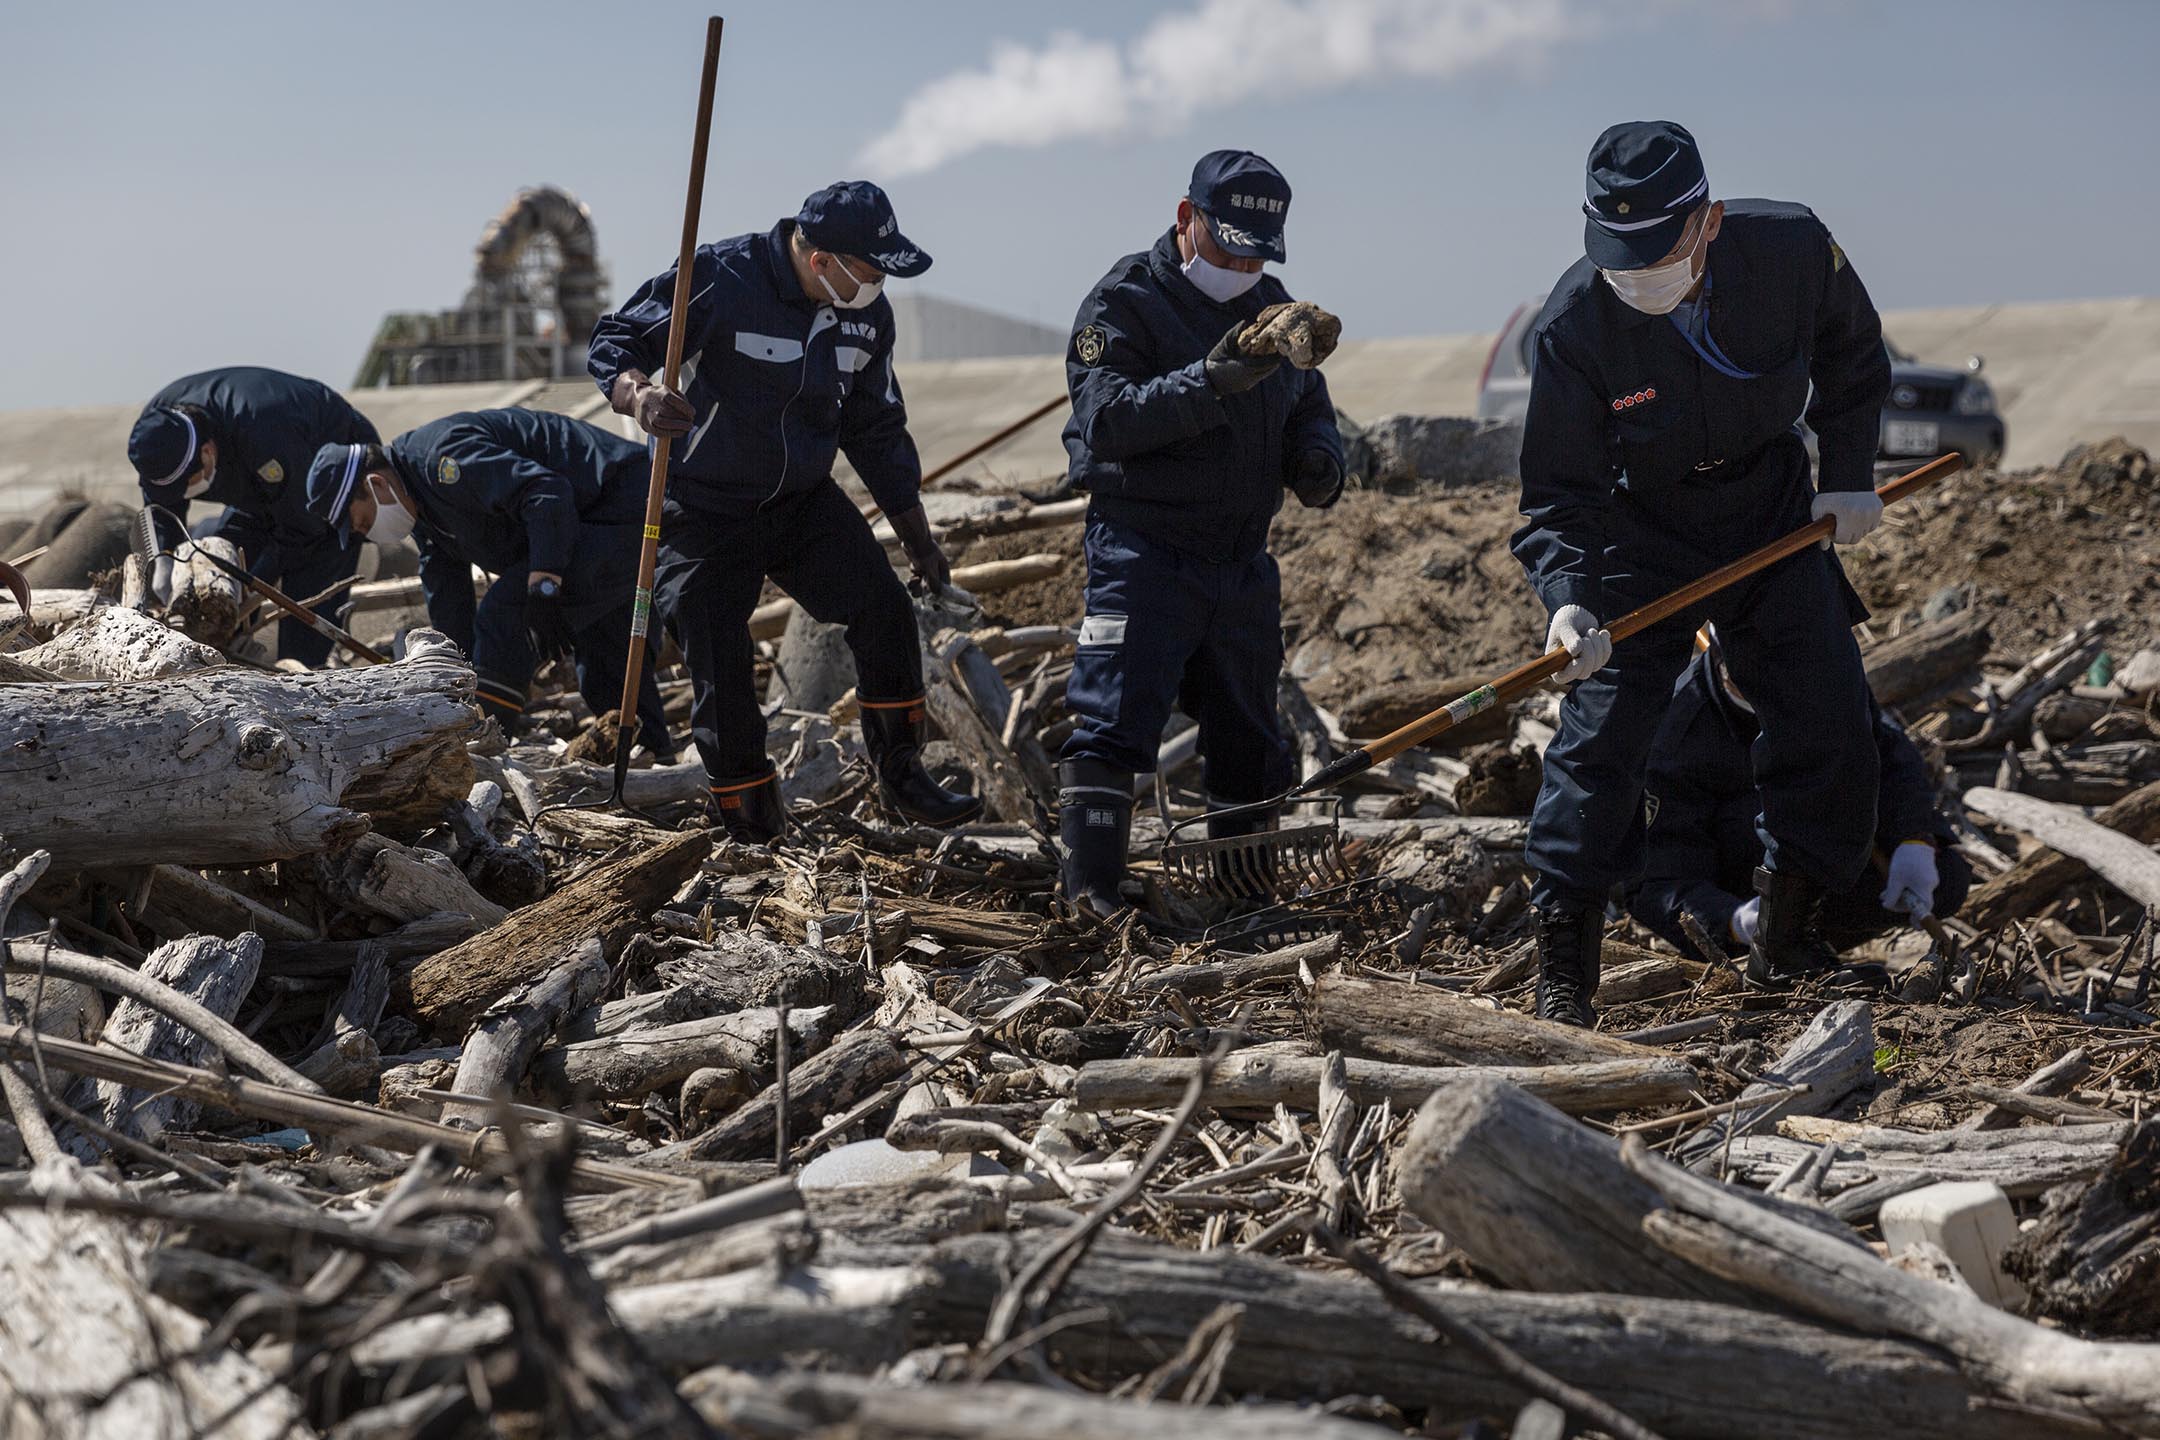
{"x":1673,"y":363}
{"x":1186,"y":429}
{"x":550,"y":506}
{"x":789,"y":361}
{"x":243,"y":437}
{"x":1704,"y":817}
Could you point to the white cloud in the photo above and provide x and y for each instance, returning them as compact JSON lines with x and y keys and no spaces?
{"x":1218,"y":53}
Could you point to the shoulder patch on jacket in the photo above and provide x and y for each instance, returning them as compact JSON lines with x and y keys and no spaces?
{"x":1837,"y":257}
{"x":272,"y":472}
{"x":446,"y":472}
{"x":1089,"y":343}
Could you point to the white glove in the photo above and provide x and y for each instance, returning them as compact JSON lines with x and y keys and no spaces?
{"x":1576,"y":631}
{"x":161,"y":572}
{"x":1745,"y":919}
{"x":1913,"y":879}
{"x":1857,"y":512}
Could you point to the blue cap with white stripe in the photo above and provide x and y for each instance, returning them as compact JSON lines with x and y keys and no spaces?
{"x":330,"y":481}
{"x":1643,"y":180}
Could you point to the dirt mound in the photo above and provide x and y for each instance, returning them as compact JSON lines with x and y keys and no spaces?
{"x":2038,"y":551}
{"x":1380,"y":589}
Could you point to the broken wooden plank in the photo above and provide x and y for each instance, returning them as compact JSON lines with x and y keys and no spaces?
{"x":1422,"y":1025}
{"x":2116,"y":858}
{"x":1586,"y":1088}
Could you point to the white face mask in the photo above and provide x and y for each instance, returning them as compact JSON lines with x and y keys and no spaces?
{"x":1658,"y":289}
{"x":865,"y":290}
{"x":1211,"y":280}
{"x":393,"y":522}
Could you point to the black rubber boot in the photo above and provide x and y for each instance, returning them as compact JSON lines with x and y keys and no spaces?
{"x":1095,"y":805}
{"x":893,"y":734}
{"x":1569,"y":945}
{"x":1789,"y":944}
{"x":1248,"y":875}
{"x":751,"y":811}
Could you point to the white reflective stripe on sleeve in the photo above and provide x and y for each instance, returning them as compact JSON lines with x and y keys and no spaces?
{"x":1102,"y":630}
{"x":852,"y":358}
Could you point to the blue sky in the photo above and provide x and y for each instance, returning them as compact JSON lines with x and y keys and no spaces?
{"x":257,"y":183}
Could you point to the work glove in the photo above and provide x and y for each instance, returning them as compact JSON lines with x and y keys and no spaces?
{"x":1319,"y":480}
{"x":1576,"y":631}
{"x":661,"y":411}
{"x":1857,"y":512}
{"x":161,"y":573}
{"x":545,"y":624}
{"x":1298,"y":330}
{"x":1913,"y":878}
{"x":1230,"y":371}
{"x":1745,"y":919}
{"x":923,"y":555}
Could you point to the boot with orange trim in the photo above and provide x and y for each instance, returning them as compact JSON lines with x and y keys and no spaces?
{"x":892,"y":730}
{"x":751,"y":811}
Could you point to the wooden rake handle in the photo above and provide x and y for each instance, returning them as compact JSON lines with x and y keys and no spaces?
{"x":1524,"y":678}
{"x":656,"y":489}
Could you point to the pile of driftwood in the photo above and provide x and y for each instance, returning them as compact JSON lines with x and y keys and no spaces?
{"x":356,"y":1090}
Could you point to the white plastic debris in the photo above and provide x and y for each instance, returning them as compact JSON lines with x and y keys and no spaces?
{"x":1970,"y":1221}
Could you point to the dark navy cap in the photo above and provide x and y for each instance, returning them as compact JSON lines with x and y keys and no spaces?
{"x":163,"y":446}
{"x":1643,"y":180}
{"x":331,"y":477}
{"x":854,"y":218}
{"x":1246,"y":200}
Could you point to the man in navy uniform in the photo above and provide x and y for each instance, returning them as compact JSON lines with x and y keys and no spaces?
{"x":1185,"y":443}
{"x":1703,"y":811}
{"x":786,"y":363}
{"x":550,"y":506}
{"x":1672,"y":365}
{"x":243,"y":438}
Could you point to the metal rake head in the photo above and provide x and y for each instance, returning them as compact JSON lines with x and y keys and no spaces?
{"x":1270,"y":863}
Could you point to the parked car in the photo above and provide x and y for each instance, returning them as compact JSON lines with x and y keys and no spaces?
{"x":1931,"y":410}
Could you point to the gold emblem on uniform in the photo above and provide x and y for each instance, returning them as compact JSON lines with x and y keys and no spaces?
{"x":1837,"y":257}
{"x":446,"y":473}
{"x":272,"y":472}
{"x":1623,"y":207}
{"x":1088,"y":344}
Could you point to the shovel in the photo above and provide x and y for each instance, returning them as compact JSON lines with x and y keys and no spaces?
{"x":147,"y":550}
{"x":1283,"y":861}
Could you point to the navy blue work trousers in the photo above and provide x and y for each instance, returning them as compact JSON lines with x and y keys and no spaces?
{"x":817,"y":548}
{"x":1165,"y":627}
{"x":1787,"y":639}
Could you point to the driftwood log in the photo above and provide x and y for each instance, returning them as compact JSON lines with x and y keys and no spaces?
{"x":511,"y":1031}
{"x":215,"y":974}
{"x":1927,"y":658}
{"x":2130,"y":867}
{"x":1421,"y":1025}
{"x":232,"y":767}
{"x":400,"y":883}
{"x":87,"y":1352}
{"x":610,"y":901}
{"x":1265,"y":1080}
{"x":116,"y":643}
{"x":1834,"y":1056}
{"x":2045,"y":874}
{"x":631,"y":1063}
{"x":344,"y":1059}
{"x":2093,"y":1259}
{"x":1726,"y":1234}
{"x":854,"y":1066}
{"x":2023,"y":1162}
{"x":1538,"y":1201}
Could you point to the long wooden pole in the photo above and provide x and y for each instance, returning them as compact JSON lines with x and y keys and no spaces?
{"x":656,"y":492}
{"x":1524,"y":678}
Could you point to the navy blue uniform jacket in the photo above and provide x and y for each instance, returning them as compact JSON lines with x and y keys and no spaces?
{"x":512,"y":491}
{"x":1701,"y":849}
{"x":779,"y":383}
{"x":268,"y":426}
{"x":1643,"y":466}
{"x":1151,"y":441}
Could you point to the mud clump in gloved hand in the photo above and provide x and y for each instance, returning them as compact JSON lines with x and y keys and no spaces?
{"x":1297,"y":330}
